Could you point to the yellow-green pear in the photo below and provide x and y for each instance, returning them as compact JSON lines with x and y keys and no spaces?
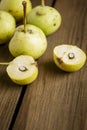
{"x":28,"y":39}
{"x":22,"y":70}
{"x":7,"y":26}
{"x":69,"y":58}
{"x":33,"y":42}
{"x":45,"y":17}
{"x":15,"y":8}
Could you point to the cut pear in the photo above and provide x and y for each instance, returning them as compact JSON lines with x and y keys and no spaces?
{"x":22,"y":70}
{"x":69,"y":58}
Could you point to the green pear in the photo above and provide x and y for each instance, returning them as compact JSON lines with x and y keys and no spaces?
{"x":7,"y":26}
{"x":15,"y":7}
{"x":69,"y":58}
{"x":22,"y":70}
{"x":33,"y":42}
{"x":28,"y":39}
{"x":45,"y":17}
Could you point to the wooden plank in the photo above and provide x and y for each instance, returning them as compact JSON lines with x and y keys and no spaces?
{"x":9,"y":92}
{"x":58,"y":100}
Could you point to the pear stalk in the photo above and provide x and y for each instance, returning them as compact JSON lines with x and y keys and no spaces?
{"x":24,"y":3}
{"x":4,"y":63}
{"x":43,"y":2}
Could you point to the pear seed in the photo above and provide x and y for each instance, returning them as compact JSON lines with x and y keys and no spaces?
{"x":71,"y":55}
{"x":22,"y":68}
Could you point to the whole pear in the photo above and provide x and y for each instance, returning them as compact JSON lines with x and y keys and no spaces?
{"x":15,"y":7}
{"x":33,"y":42}
{"x":45,"y":17}
{"x":7,"y":26}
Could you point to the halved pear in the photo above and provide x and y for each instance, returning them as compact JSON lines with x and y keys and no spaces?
{"x":69,"y":58}
{"x":22,"y":70}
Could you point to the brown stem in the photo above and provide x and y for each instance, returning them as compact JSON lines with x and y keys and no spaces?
{"x":24,"y":3}
{"x":4,"y":63}
{"x":43,"y":2}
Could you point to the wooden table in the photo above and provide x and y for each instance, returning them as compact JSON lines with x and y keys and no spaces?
{"x":56,"y":100}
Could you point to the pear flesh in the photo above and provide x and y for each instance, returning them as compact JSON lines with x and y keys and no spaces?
{"x":33,"y":42}
{"x":22,"y":70}
{"x":7,"y":26}
{"x":15,"y":8}
{"x":69,"y":58}
{"x":45,"y":17}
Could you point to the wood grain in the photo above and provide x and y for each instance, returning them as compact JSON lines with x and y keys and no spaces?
{"x":9,"y":92}
{"x":58,"y":100}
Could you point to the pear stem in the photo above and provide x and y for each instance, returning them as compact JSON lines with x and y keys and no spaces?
{"x":24,"y":3}
{"x":43,"y":3}
{"x":4,"y":63}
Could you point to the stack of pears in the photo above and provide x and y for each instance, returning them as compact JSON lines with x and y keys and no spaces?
{"x":28,"y":42}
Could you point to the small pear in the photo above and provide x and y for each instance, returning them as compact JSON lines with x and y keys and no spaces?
{"x":32,"y":42}
{"x":7,"y":26}
{"x":69,"y":58}
{"x":15,"y":8}
{"x":28,"y":40}
{"x":45,"y":17}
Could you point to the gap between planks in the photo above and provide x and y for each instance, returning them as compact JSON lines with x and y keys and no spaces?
{"x":22,"y":94}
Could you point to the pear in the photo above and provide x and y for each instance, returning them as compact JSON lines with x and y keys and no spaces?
{"x":45,"y":17}
{"x":69,"y":58}
{"x":28,"y":40}
{"x":15,"y":8}
{"x":7,"y":26}
{"x":22,"y":70}
{"x":32,"y":42}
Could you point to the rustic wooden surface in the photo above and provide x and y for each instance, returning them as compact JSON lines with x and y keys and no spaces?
{"x":56,"y":100}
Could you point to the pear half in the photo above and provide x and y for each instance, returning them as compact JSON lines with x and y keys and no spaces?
{"x":22,"y":70}
{"x":69,"y":58}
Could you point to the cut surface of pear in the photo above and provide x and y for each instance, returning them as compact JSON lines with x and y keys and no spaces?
{"x":33,"y":42}
{"x":22,"y":70}
{"x":7,"y":26}
{"x":15,"y":7}
{"x":45,"y":17}
{"x":69,"y":58}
